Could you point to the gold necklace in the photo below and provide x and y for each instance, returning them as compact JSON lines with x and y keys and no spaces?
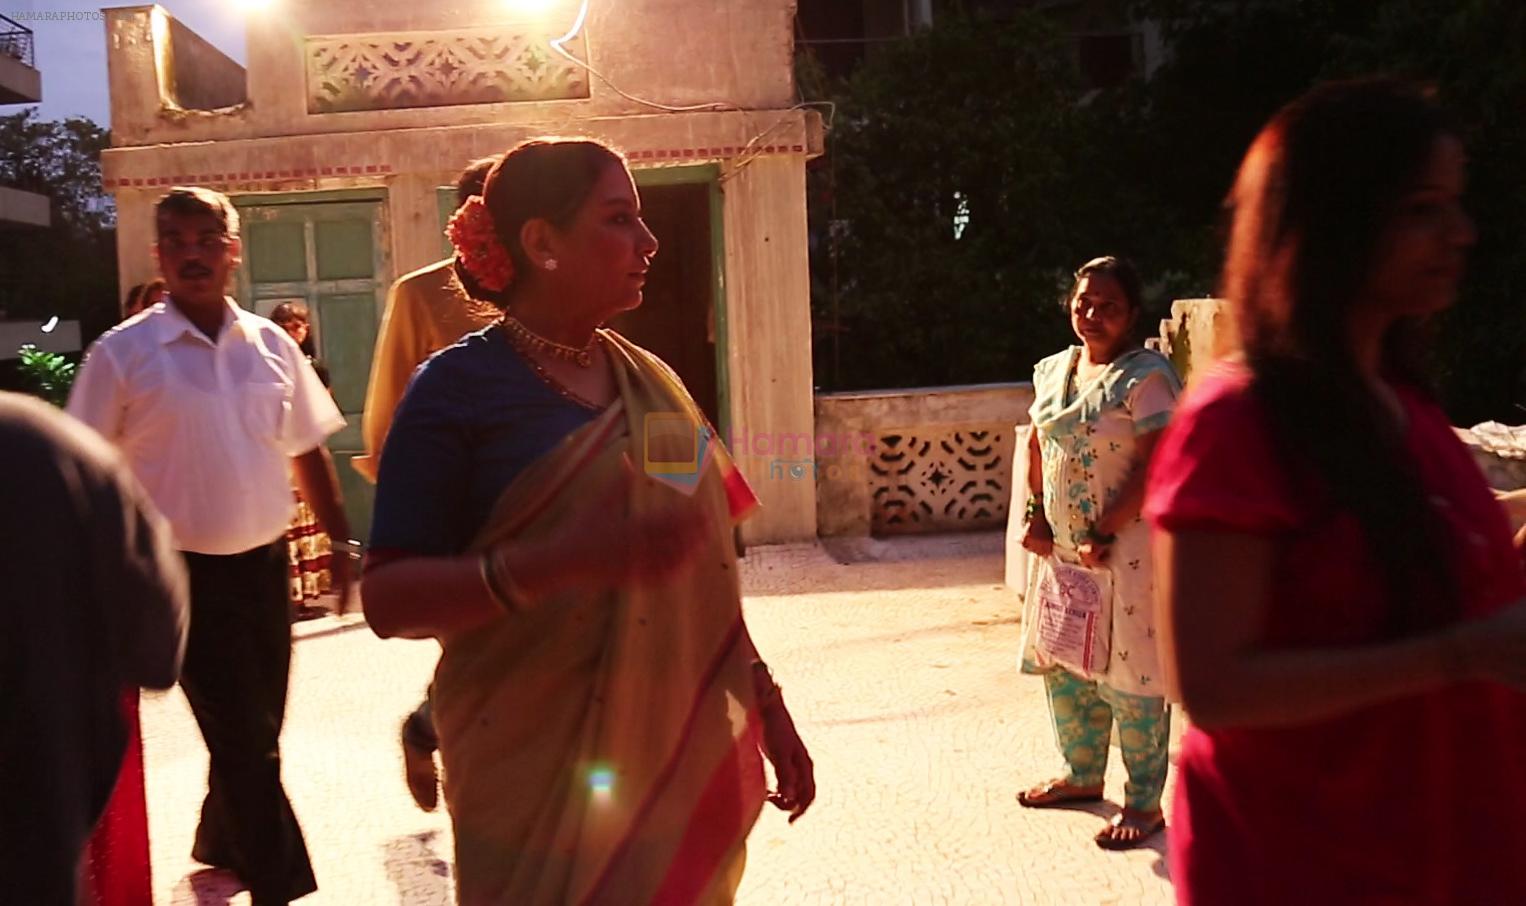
{"x":583,"y":358}
{"x":527,"y":354}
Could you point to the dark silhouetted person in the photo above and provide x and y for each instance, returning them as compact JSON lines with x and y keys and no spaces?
{"x":94,"y":605}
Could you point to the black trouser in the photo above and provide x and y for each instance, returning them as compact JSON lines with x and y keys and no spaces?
{"x":237,"y":659}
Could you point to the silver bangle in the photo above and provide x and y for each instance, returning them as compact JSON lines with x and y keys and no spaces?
{"x":352,"y":548}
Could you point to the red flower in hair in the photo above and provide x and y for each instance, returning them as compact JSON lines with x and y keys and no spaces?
{"x":471,"y":233}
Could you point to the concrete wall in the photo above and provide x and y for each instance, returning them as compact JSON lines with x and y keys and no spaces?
{"x":736,"y":53}
{"x":410,"y":164}
{"x":768,"y":337}
{"x":1198,"y":332}
{"x":27,"y":209}
{"x":19,"y":83}
{"x":135,"y":238}
{"x":767,"y":282}
{"x":204,"y":78}
{"x":64,"y":337}
{"x":733,"y":58}
{"x":846,"y":483}
{"x":136,"y":39}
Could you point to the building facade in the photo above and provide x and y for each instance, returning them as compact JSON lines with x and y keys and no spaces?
{"x":341,"y":138}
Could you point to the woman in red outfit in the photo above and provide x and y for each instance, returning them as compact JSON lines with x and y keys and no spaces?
{"x":116,"y":863}
{"x":1342,"y":607}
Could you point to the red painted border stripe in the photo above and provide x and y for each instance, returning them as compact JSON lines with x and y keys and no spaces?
{"x":373,"y":169}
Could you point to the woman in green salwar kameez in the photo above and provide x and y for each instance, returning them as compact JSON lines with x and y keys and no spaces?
{"x":1098,"y":410}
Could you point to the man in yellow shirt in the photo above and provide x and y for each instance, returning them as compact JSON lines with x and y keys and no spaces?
{"x":427,"y":311}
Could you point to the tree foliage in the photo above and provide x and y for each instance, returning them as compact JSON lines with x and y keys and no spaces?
{"x":1234,"y":64}
{"x":60,"y":159}
{"x":968,"y":175}
{"x":991,"y":113}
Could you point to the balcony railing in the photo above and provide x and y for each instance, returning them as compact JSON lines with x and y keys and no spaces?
{"x":16,"y":41}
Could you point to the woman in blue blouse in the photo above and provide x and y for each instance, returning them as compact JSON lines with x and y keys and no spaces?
{"x":600,"y":706}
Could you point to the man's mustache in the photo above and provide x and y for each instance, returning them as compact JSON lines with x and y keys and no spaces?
{"x":191,"y":271}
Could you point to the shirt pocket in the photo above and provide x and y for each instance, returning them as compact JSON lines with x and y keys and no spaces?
{"x":265,"y":409}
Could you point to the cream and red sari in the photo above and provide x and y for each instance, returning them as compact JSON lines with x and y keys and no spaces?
{"x":604,"y":746}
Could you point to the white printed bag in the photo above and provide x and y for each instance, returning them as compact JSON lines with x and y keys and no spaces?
{"x":1072,"y":615}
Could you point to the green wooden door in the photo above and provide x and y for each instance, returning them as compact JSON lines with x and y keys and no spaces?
{"x":333,"y":256}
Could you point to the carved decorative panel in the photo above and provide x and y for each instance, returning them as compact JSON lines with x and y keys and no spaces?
{"x":439,"y":69}
{"x":941,"y":479}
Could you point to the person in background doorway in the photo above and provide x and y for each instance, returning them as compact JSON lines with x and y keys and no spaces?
{"x":309,"y":547}
{"x":213,"y":407}
{"x":297,"y":321}
{"x":144,"y":295}
{"x":94,"y":607}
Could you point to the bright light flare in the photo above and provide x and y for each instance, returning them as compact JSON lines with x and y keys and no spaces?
{"x":601,"y":782}
{"x":51,"y":326}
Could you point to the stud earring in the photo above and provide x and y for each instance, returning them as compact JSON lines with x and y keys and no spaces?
{"x":550,"y":264}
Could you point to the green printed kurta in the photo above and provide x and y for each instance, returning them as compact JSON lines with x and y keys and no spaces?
{"x":1087,"y":437}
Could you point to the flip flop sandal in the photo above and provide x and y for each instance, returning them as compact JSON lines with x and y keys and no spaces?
{"x":1146,"y":829}
{"x":1056,"y":793}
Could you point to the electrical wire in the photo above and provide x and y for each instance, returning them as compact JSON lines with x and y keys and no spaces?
{"x":577,"y":26}
{"x":749,"y":152}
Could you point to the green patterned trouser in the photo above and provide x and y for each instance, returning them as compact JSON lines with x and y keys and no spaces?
{"x":1083,"y":713}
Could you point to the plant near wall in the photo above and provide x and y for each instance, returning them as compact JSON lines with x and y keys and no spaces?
{"x":50,"y":374}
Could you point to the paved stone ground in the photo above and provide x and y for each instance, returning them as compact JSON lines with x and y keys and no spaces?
{"x":899,"y":671}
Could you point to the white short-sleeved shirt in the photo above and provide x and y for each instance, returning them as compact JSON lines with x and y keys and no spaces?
{"x":209,"y":428}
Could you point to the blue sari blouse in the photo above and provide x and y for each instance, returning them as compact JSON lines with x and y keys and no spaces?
{"x":474,"y":416}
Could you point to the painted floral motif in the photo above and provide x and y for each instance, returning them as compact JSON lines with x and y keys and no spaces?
{"x":440,"y":68}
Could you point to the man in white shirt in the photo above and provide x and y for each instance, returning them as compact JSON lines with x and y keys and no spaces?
{"x":212,"y":405}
